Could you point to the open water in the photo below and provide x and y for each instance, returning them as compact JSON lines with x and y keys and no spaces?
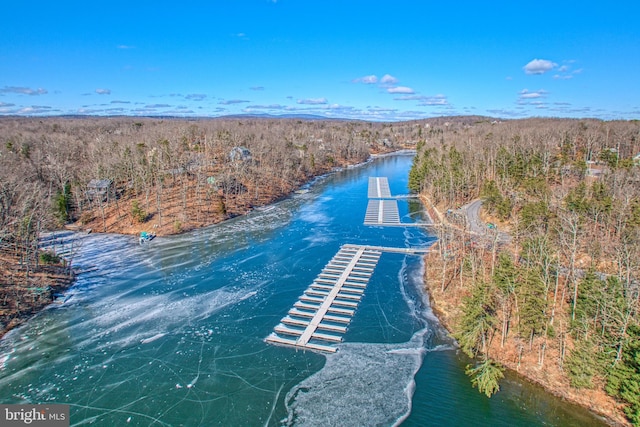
{"x":172,"y":333}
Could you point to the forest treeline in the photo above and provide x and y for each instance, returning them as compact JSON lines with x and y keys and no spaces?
{"x":165,"y":176}
{"x":554,"y":289}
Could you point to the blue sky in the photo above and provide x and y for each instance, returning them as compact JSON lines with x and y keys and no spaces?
{"x":345,"y":59}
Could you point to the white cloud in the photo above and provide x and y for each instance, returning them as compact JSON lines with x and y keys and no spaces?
{"x":539,"y":66}
{"x":527,"y":94}
{"x":400,"y":89}
{"x":103,"y":91}
{"x":388,"y":79}
{"x":124,"y":46}
{"x":368,"y":80}
{"x":23,"y":90}
{"x":312,"y":101}
{"x":257,"y":88}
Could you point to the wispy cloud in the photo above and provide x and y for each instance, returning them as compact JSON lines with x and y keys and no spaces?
{"x":435,"y":100}
{"x":257,"y":88}
{"x":36,"y":109}
{"x":368,"y":80}
{"x":124,"y":46}
{"x":507,"y":113}
{"x":539,"y":66}
{"x":251,"y":108}
{"x":565,"y":72}
{"x":120,"y":102}
{"x":400,"y":89}
{"x":195,"y":96}
{"x":23,"y":90}
{"x":563,"y":76}
{"x":410,"y":98}
{"x":103,"y":91}
{"x":424,"y":99}
{"x":232,"y":101}
{"x":313,"y":101}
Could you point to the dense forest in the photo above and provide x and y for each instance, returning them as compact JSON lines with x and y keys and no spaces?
{"x":550,"y":290}
{"x":164,"y":176}
{"x":551,"y":287}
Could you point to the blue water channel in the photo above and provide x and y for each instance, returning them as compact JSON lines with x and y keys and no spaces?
{"x":172,"y":333}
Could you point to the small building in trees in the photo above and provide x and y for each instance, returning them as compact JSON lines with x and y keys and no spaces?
{"x":240,"y":154}
{"x":99,"y":190}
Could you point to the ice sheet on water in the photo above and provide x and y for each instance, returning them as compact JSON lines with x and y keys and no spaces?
{"x":147,"y":318}
{"x":361,"y":385}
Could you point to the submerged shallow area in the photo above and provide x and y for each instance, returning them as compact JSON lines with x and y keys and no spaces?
{"x":172,"y":333}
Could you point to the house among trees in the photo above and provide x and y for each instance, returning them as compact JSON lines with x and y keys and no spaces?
{"x":240,"y":154}
{"x":99,"y":190}
{"x":594,"y":170}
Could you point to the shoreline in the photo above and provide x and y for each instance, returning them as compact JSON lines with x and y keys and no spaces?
{"x":440,"y":306}
{"x":60,"y":283}
{"x":51,"y":281}
{"x":435,"y":217}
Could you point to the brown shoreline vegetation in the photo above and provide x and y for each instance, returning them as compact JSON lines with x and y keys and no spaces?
{"x":163,"y":176}
{"x":446,"y":305}
{"x":550,"y":290}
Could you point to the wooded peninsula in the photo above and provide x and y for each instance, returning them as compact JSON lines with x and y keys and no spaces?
{"x":548,"y":287}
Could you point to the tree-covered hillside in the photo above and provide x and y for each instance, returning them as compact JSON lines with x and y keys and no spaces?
{"x":554,"y":289}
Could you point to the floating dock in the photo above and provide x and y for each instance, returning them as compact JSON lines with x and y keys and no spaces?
{"x":382,"y":212}
{"x":379,"y":188}
{"x":323,"y":312}
{"x":382,"y":209}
